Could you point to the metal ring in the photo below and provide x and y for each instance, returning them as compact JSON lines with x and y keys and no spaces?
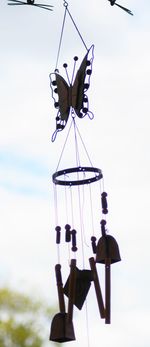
{"x":83,"y":169}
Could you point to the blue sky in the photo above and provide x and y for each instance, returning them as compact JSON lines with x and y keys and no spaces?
{"x":117,"y":140}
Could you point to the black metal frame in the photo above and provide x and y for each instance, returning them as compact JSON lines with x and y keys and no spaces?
{"x":84,"y":169}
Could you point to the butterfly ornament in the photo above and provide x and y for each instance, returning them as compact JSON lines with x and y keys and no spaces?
{"x":70,"y":98}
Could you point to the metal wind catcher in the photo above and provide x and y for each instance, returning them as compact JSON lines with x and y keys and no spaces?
{"x":80,"y":201}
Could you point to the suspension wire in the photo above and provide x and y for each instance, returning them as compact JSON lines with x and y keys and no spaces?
{"x":79,"y":195}
{"x":84,"y":146}
{"x":67,"y":216}
{"x":77,"y":29}
{"x":100,"y":205}
{"x":103,"y":184}
{"x":81,"y":224}
{"x":64,"y":146}
{"x":76,"y":144}
{"x":83,"y":203}
{"x":56,"y":218}
{"x":91,"y":206}
{"x":61,"y":36}
{"x":87,"y":323}
{"x":62,"y":31}
{"x":72,"y":214}
{"x":66,"y":199}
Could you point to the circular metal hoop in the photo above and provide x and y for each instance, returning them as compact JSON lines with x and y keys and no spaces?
{"x":81,"y":169}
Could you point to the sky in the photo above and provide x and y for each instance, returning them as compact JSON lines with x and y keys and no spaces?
{"x":117,"y":140}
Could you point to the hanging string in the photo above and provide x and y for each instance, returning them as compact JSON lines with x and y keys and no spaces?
{"x":87,"y":324}
{"x":72,"y":214}
{"x":64,"y":146}
{"x":84,"y":146}
{"x":61,"y":36}
{"x":55,"y":203}
{"x":76,"y":144}
{"x":101,"y":189}
{"x":76,"y":28}
{"x":66,"y":200}
{"x":67,"y":217}
{"x":56,"y":219}
{"x":62,"y":31}
{"x":79,"y":196}
{"x":82,"y":213}
{"x":91,"y":205}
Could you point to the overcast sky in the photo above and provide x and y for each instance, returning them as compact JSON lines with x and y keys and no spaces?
{"x":117,"y":140}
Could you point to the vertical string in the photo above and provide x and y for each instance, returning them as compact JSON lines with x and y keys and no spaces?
{"x":61,"y":35}
{"x":84,"y":146}
{"x":77,"y":29}
{"x":82,"y":213}
{"x":66,"y":200}
{"x":72,"y":214}
{"x":64,"y":146}
{"x":67,"y":216}
{"x":91,"y":206}
{"x":56,"y":218}
{"x":79,"y":195}
{"x":76,"y":144}
{"x":87,"y":324}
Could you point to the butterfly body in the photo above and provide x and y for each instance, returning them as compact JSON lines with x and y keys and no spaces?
{"x":71,"y":98}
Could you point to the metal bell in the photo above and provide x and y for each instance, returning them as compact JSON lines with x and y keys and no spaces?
{"x":61,"y":329}
{"x":83,"y":283}
{"x":107,"y":248}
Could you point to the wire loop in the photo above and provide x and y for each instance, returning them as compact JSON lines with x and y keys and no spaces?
{"x":65,"y":3}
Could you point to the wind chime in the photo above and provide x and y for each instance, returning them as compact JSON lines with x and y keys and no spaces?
{"x":78,"y":185}
{"x":73,"y":190}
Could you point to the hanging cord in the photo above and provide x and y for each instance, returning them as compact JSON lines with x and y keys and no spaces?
{"x":64,"y":146}
{"x":76,"y":144}
{"x":56,"y":219}
{"x":67,"y":217}
{"x":87,"y":324}
{"x":62,"y":31}
{"x":79,"y":195}
{"x":84,"y":146}
{"x":91,"y":206}
{"x":76,"y":26}
{"x":61,"y":36}
{"x":82,"y":213}
{"x":72,"y":213}
{"x":66,"y":200}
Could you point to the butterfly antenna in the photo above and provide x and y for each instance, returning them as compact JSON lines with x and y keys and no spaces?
{"x":65,"y":66}
{"x":75,"y":60}
{"x":125,"y":9}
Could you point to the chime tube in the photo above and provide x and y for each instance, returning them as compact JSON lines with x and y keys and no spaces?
{"x":97,"y":288}
{"x":60,"y":288}
{"x":72,"y":284}
{"x":107,"y":291}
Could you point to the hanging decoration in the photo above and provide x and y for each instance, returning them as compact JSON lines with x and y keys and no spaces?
{"x":30,"y":2}
{"x":72,"y":98}
{"x":80,"y":189}
{"x":113,"y":2}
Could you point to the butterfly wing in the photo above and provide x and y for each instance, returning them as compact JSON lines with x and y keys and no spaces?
{"x":60,"y":94}
{"x":81,"y":85}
